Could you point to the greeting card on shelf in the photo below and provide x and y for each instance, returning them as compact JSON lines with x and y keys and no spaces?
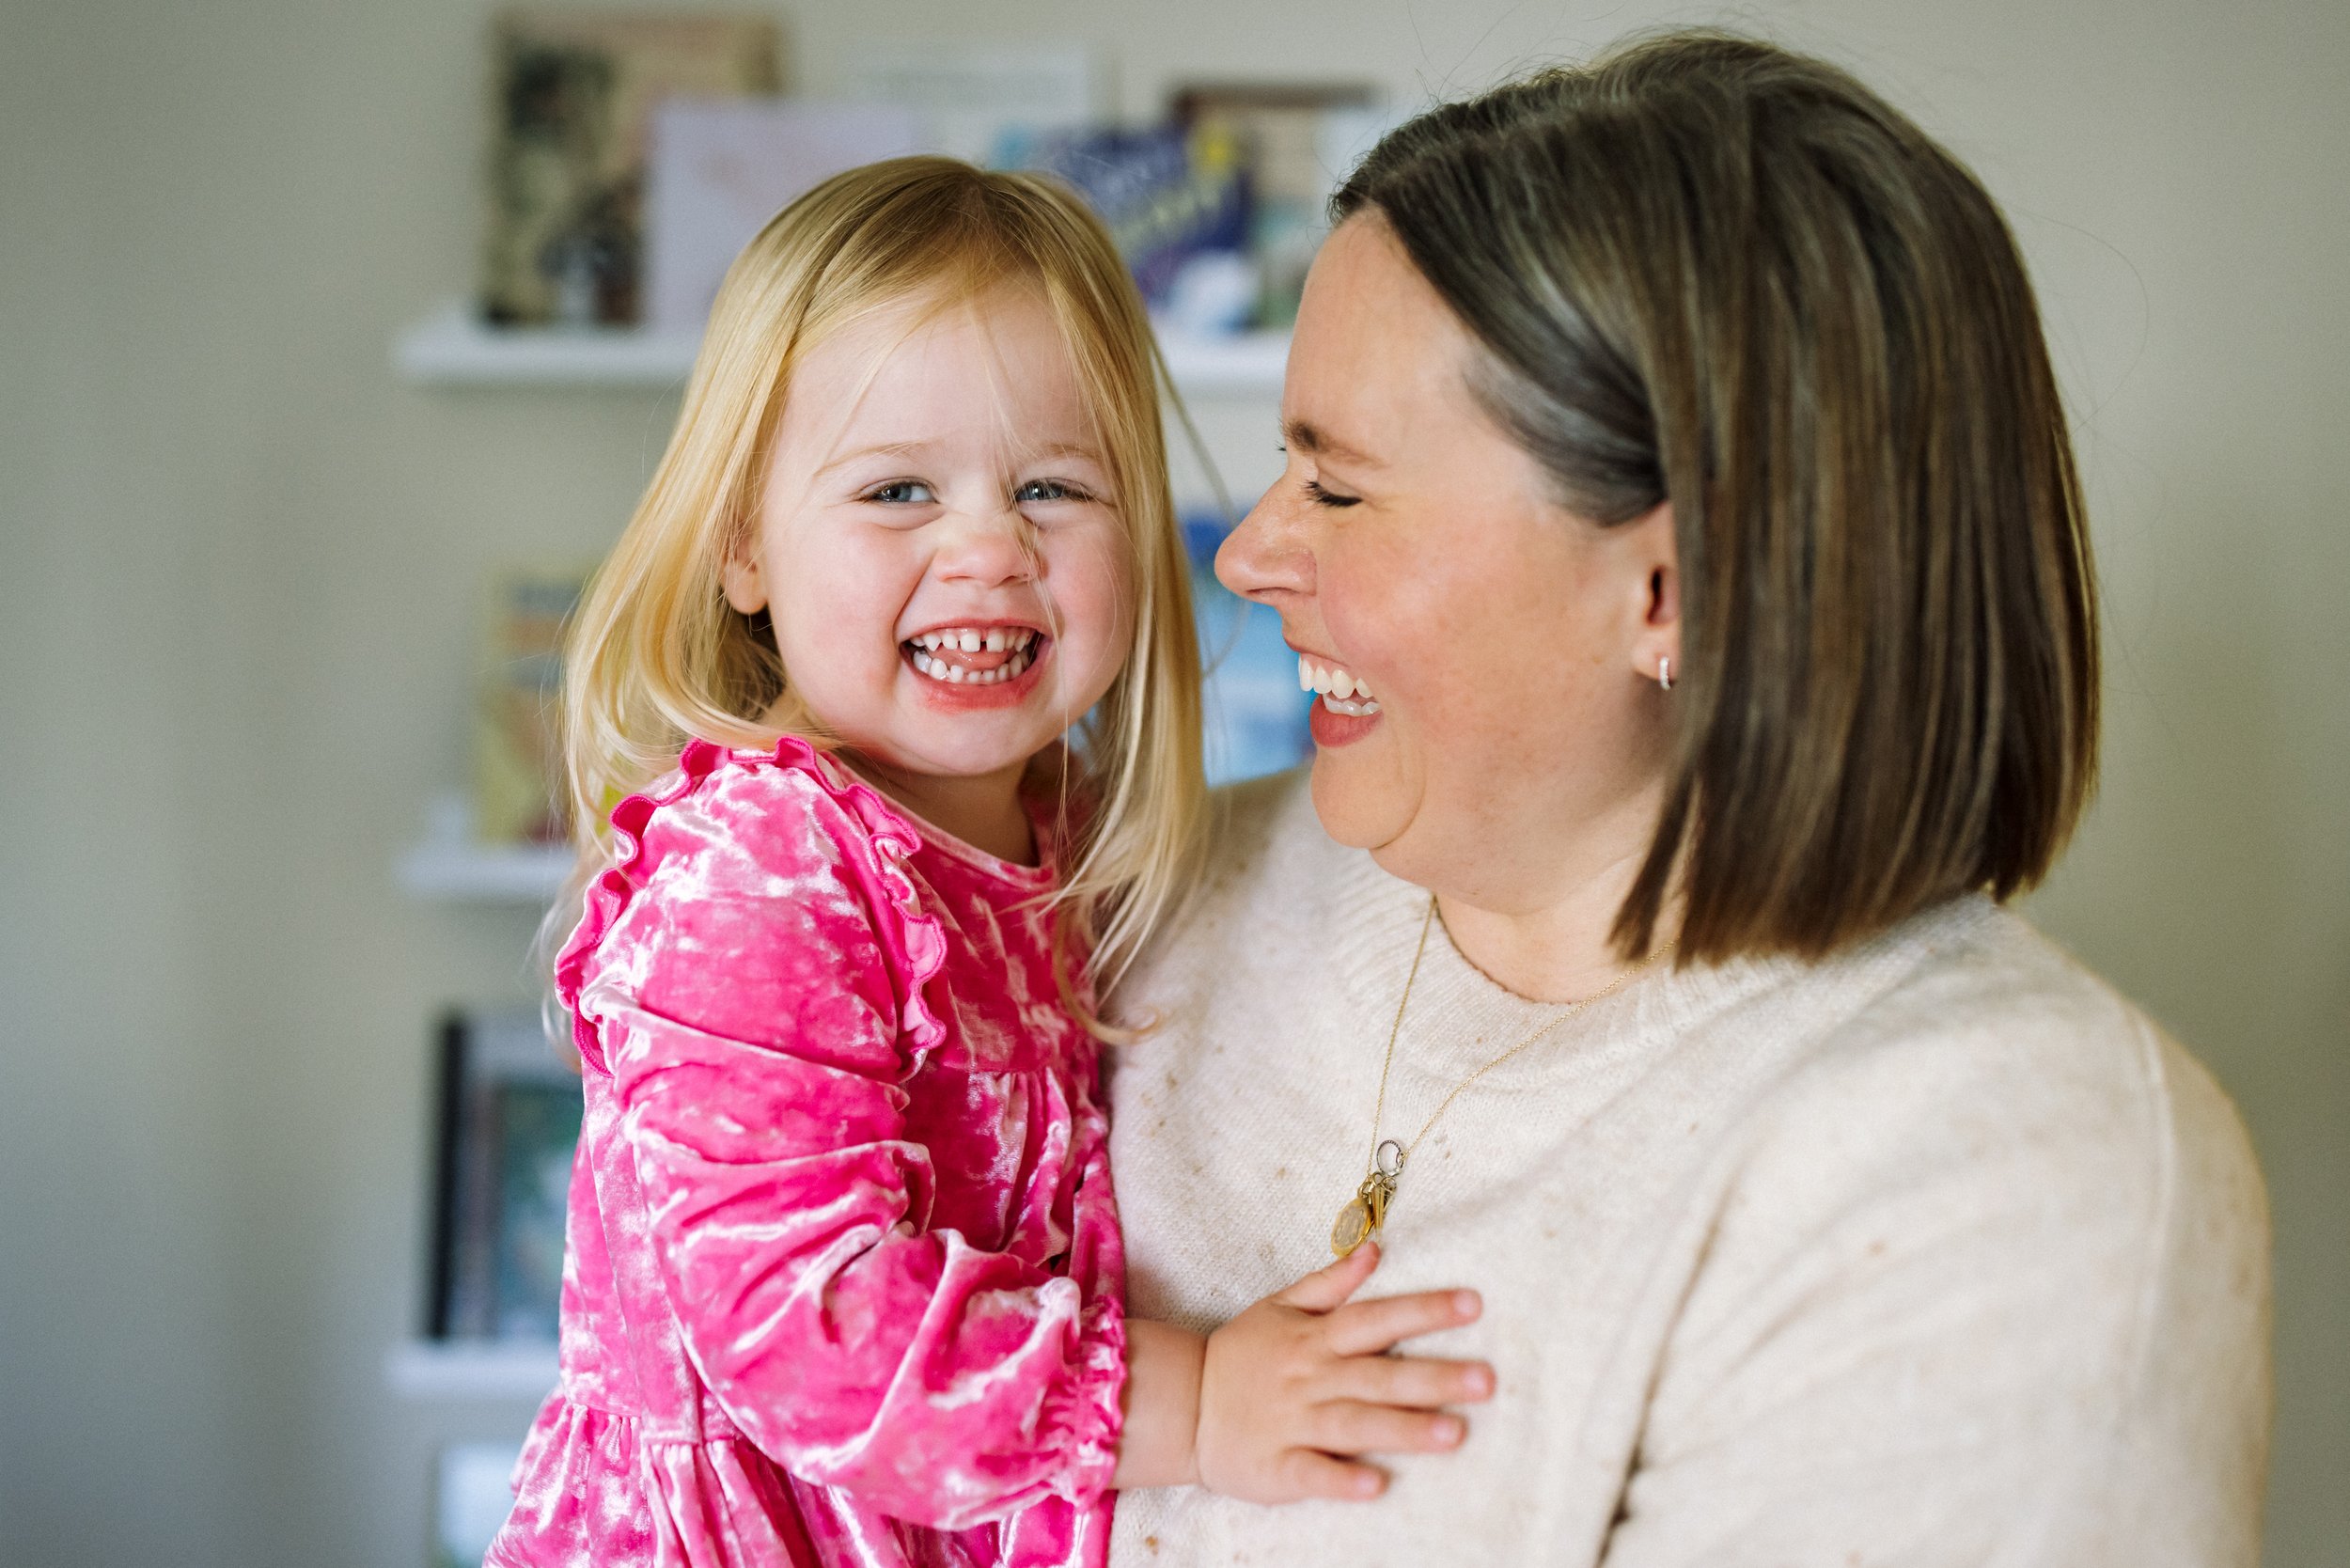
{"x":720,"y":168}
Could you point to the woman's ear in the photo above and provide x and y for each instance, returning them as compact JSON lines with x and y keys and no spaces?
{"x":747,"y":588}
{"x":1657,"y":634}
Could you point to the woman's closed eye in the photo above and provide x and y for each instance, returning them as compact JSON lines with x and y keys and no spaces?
{"x":1322,"y":496}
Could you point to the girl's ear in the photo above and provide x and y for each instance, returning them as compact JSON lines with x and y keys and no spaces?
{"x":747,"y":588}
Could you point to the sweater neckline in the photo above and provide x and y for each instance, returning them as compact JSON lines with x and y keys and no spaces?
{"x":1459,"y":1012}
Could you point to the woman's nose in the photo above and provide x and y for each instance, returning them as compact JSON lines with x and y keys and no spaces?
{"x":1264,"y":556}
{"x":987,"y":551}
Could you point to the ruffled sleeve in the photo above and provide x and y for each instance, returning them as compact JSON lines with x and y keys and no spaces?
{"x":752,"y":976}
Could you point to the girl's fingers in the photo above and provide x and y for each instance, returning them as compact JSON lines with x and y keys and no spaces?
{"x":1411,"y":1381}
{"x":1348,"y":1426}
{"x":1327,"y":1289}
{"x":1305,"y":1473}
{"x":1368,"y":1327}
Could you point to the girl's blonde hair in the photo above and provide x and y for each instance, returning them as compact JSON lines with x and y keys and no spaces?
{"x":656,"y":655}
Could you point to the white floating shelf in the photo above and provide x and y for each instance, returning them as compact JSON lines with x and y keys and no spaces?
{"x":430,"y":1369}
{"x":461,"y":872}
{"x":455,"y":348}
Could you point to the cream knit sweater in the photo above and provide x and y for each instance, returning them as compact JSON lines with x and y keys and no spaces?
{"x":1938,"y":1253}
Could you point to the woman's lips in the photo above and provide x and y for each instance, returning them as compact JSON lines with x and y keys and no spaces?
{"x":1333,"y":728}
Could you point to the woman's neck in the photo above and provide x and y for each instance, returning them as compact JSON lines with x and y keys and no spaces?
{"x":1555,"y":949}
{"x":981,"y":810}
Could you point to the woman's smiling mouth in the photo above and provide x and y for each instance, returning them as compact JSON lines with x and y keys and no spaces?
{"x":1347,"y":711}
{"x":1342,"y":691}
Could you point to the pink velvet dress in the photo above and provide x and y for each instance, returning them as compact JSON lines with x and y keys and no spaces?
{"x":843,"y":1278}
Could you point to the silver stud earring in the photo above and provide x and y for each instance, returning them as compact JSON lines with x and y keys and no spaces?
{"x":1665,"y":671}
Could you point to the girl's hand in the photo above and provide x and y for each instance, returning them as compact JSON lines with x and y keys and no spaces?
{"x":1301,"y":1379}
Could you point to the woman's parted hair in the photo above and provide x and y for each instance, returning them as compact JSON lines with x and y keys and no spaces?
{"x":656,"y":655}
{"x":1709,"y":271}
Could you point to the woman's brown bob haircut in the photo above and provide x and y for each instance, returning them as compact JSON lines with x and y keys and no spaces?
{"x":1708,"y":272}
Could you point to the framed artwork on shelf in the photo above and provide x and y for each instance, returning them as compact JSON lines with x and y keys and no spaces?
{"x":572,"y":94}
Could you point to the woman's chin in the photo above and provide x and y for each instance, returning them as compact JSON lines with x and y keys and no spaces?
{"x":1360,"y":794}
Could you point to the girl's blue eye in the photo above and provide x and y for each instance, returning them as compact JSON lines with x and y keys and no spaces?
{"x":903,"y":492}
{"x":1049,"y":490}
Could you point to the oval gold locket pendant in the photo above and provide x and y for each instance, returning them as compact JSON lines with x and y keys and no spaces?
{"x":1366,"y":1213}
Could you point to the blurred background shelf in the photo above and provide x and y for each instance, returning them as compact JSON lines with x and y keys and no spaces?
{"x":485,"y":873}
{"x":427,"y":1371}
{"x":456,"y":348}
{"x":448,"y":864}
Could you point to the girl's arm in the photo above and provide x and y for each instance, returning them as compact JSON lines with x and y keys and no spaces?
{"x":748,"y":1003}
{"x":1265,"y":1407}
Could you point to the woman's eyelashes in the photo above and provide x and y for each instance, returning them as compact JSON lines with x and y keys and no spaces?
{"x":1322,"y":497}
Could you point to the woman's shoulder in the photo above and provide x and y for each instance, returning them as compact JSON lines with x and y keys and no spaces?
{"x":1978,"y":1166}
{"x":1976,"y":999}
{"x":1969,"y":1021}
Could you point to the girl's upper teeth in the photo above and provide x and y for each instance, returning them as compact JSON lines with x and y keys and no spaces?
{"x":1331,"y":681}
{"x":971,"y":639}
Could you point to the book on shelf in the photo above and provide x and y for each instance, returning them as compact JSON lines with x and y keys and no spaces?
{"x":519,"y":796}
{"x":507,"y":1124}
{"x":1297,"y":141}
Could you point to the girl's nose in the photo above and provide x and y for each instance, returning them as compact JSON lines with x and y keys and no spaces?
{"x":989,"y":552}
{"x":1265,"y":557}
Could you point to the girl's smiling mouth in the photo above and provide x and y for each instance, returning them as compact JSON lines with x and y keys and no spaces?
{"x":977,"y":664}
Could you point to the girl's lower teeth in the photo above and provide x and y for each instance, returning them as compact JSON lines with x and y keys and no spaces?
{"x":1352,"y":709}
{"x":955,"y":675}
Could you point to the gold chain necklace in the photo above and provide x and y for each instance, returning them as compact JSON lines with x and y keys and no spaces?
{"x":1366,"y":1213}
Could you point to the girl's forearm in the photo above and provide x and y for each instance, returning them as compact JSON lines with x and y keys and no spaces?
{"x":1162,"y":1405}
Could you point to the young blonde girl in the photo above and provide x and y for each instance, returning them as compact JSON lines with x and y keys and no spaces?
{"x":844,"y":1275}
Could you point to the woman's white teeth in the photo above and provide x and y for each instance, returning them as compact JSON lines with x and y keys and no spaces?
{"x":1341,"y":690}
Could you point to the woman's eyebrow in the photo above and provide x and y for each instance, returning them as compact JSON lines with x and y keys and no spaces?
{"x":1307,"y":437}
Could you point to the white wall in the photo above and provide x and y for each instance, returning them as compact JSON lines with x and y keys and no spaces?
{"x":239,"y":564}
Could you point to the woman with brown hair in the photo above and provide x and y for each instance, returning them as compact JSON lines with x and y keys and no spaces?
{"x":1679,"y":527}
